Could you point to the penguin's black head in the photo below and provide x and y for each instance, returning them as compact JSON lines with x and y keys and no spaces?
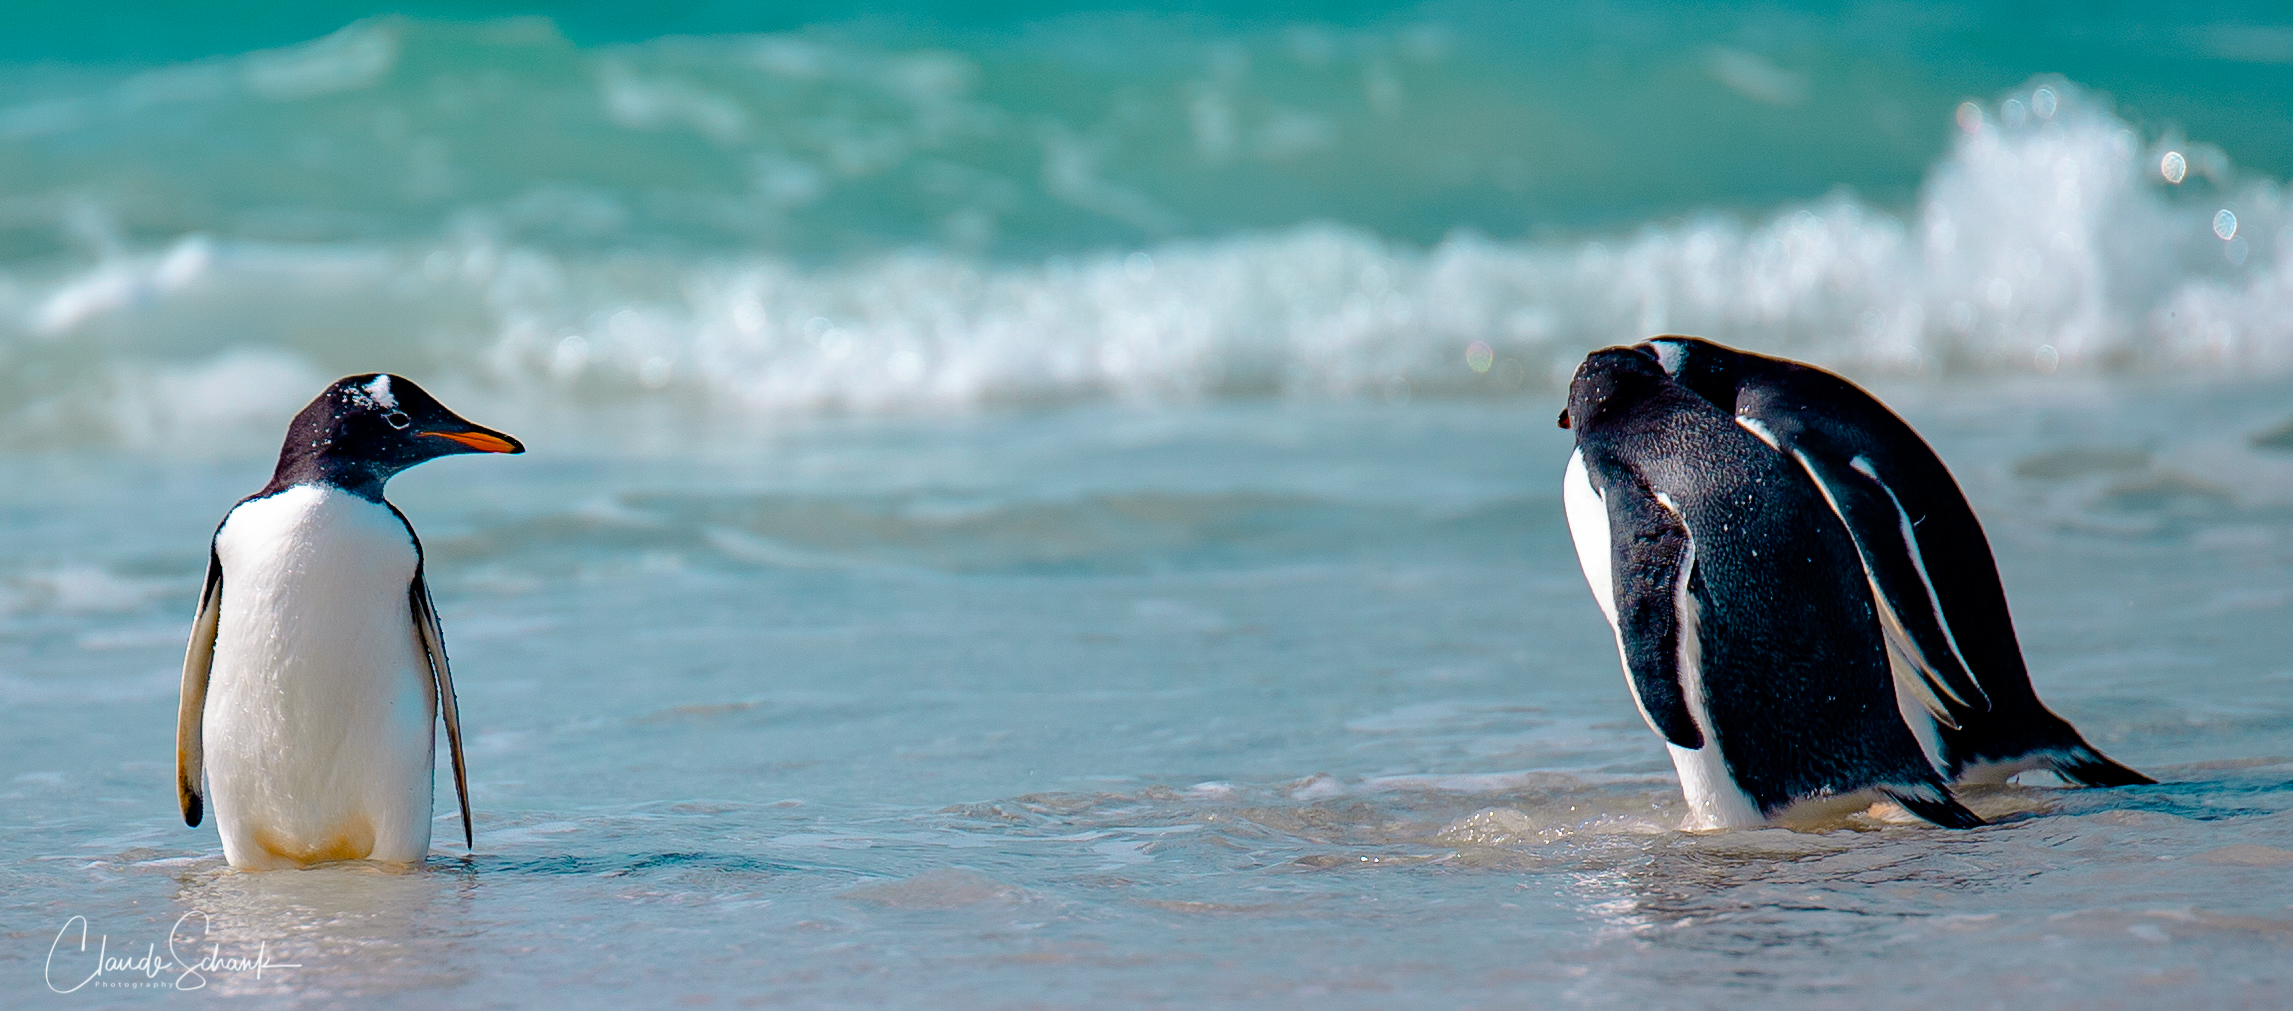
{"x":1707,"y":369}
{"x":364,"y":429}
{"x":1611,"y":379}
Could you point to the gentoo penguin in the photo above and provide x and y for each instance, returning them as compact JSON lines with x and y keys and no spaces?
{"x":316,"y":670}
{"x":1747,"y":630}
{"x":1959,"y":670}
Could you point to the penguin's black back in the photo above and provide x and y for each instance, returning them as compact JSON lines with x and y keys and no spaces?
{"x":1834,"y":422}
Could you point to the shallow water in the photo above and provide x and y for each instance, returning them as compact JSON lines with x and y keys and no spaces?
{"x":1253,"y":703}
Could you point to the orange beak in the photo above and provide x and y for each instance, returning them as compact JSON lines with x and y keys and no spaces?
{"x":483,"y":442}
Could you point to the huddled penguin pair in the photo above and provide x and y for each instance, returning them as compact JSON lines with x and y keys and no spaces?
{"x":1807,"y":609}
{"x":316,"y":673}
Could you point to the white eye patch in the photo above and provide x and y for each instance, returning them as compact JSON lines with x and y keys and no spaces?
{"x":1669,"y":355}
{"x":379,"y":389}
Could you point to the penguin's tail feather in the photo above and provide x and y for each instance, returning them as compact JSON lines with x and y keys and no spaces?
{"x":2087,"y":767}
{"x":2037,"y":739}
{"x":1932,"y":803}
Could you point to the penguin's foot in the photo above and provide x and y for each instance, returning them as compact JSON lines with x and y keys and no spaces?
{"x":352,"y":841}
{"x":1933,"y":804}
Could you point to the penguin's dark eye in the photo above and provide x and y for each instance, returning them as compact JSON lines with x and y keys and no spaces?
{"x":396,"y":419}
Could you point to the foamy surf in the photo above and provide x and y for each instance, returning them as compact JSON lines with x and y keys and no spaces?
{"x":2051,"y":238}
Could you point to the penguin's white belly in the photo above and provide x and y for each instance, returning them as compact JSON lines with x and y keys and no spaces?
{"x":318,"y":723}
{"x":1588,"y":529}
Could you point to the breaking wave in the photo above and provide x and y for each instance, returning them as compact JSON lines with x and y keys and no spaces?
{"x":2050,"y":237}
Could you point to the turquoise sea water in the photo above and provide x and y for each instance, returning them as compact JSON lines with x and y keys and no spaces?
{"x":1015,"y":518}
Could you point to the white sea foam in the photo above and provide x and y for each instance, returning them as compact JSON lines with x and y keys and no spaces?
{"x":2039,"y":243}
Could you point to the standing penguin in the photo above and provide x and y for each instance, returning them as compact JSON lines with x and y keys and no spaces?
{"x":316,"y":670}
{"x":1748,"y":633}
{"x":1959,"y":670}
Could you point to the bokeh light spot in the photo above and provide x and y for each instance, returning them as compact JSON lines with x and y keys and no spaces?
{"x":2044,"y":102}
{"x":1970,"y":117}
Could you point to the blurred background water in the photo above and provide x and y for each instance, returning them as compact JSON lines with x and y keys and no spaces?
{"x":1051,"y":505}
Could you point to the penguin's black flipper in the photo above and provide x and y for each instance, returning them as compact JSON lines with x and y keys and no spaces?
{"x":1952,"y":627}
{"x":1909,"y":609}
{"x":1933,"y":804}
{"x":191,"y":707}
{"x":1652,"y":562}
{"x":434,"y":645}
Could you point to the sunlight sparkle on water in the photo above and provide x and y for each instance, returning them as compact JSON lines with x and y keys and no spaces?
{"x":2174,"y":167}
{"x":2225,"y":224}
{"x":2044,"y":102}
